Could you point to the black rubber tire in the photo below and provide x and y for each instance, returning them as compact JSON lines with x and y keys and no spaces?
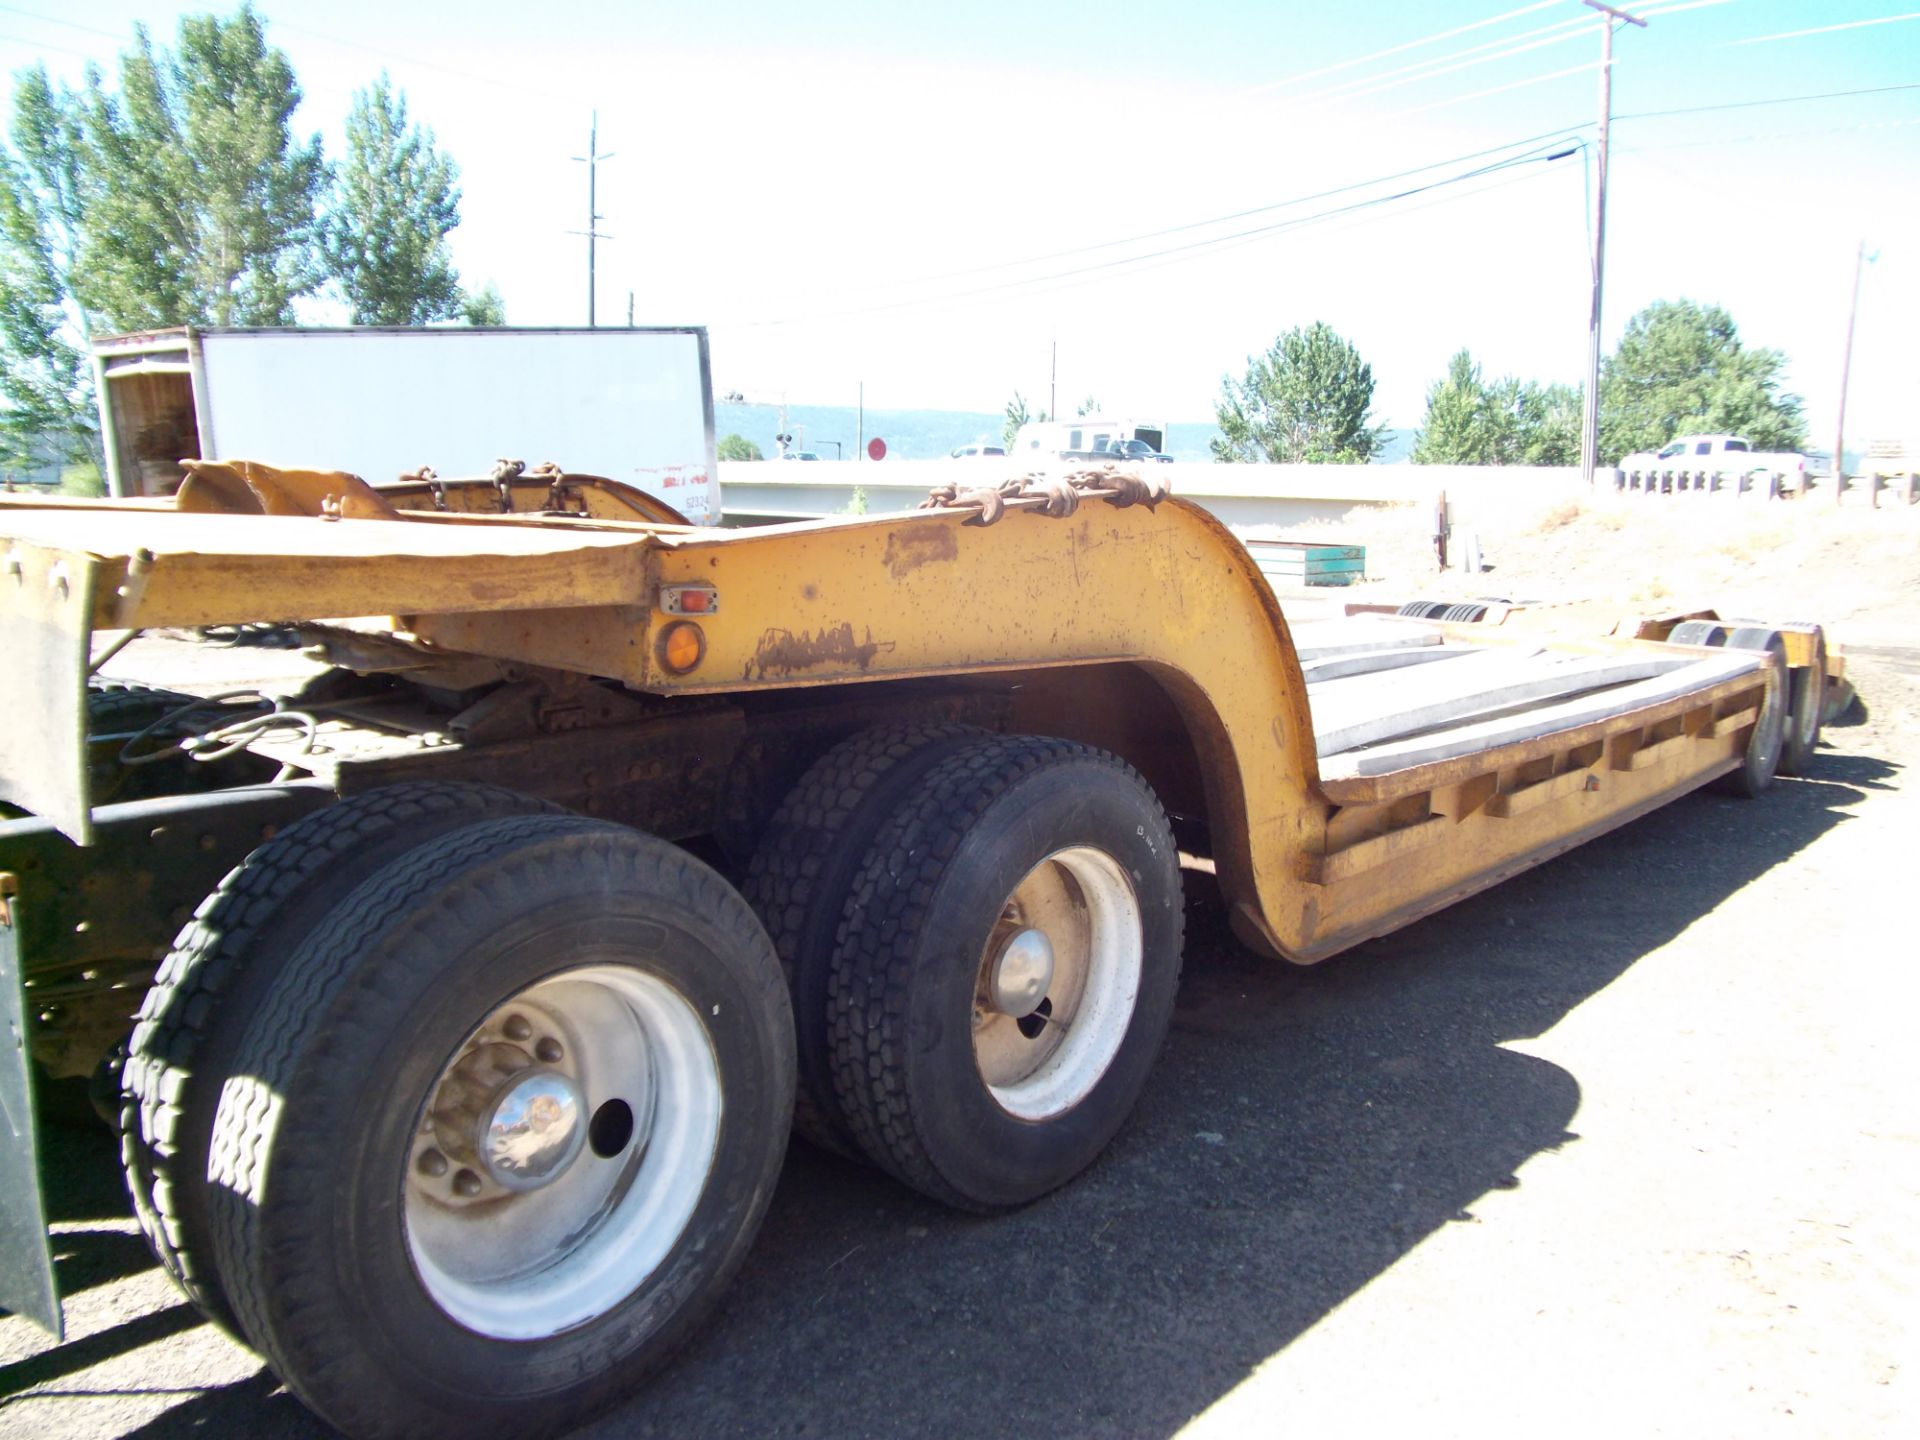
{"x":312,"y":1150}
{"x":903,"y":982}
{"x":119,"y":706}
{"x":211,"y":981}
{"x":1768,"y":739}
{"x":1698,"y":632}
{"x":803,"y":870}
{"x":1809,"y":699}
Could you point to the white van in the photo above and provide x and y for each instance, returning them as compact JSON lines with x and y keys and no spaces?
{"x":1090,"y":437}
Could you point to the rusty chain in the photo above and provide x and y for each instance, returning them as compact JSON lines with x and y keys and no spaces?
{"x":1058,"y":496}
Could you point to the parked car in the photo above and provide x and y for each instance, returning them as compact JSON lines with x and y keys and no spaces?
{"x":977,"y":452}
{"x":1138,"y":450}
{"x":799,"y":455}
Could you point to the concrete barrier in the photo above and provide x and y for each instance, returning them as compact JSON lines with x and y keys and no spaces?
{"x":764,"y":491}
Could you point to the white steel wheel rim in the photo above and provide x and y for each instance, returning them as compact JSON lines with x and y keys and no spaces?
{"x":528,"y":1265}
{"x":1038,"y":1067}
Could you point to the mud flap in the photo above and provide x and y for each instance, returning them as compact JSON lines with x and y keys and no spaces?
{"x":26,"y":1262}
{"x":46,"y":627}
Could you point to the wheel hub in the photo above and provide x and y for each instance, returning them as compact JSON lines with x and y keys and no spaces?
{"x":1022,"y":973}
{"x":533,"y":1130}
{"x":503,"y":1112}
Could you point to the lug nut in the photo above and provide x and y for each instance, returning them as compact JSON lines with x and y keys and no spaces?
{"x":466,"y":1184}
{"x":432,"y":1164}
{"x":517,"y":1027}
{"x":548,"y":1051}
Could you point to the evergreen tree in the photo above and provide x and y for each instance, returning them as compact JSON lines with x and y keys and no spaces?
{"x":1681,"y":367}
{"x":484,"y":306}
{"x":46,"y":379}
{"x":1471,"y":421}
{"x":203,"y":207}
{"x":394,"y":201}
{"x":1016,"y":417}
{"x":1307,"y":400}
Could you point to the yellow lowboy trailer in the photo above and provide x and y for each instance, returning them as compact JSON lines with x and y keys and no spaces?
{"x":494,"y":962}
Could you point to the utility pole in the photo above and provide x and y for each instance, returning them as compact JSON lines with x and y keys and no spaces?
{"x":1590,"y":426}
{"x":1053,"y":385}
{"x":1846,"y":366}
{"x":592,"y":160}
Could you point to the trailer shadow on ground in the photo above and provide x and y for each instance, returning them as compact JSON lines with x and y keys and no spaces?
{"x":1304,"y":1130}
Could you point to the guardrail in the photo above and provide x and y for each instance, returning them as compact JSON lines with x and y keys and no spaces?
{"x":1671,"y":480}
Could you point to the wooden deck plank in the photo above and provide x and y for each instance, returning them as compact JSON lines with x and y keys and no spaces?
{"x":1566,"y":715}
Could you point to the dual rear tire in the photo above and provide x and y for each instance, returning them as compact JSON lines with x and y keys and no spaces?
{"x":462,"y":1111}
{"x":490,"y":1136}
{"x":984,"y":954}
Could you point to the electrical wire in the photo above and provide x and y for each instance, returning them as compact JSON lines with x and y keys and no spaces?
{"x":1563,"y":132}
{"x":1399,"y":49}
{"x":1755,"y":104}
{"x":1539,"y":154}
{"x":65,"y":24}
{"x":1826,"y":29}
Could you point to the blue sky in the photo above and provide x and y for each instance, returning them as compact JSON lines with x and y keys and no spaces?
{"x":928,"y":199}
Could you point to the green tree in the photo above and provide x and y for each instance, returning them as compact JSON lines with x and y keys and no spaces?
{"x":205,"y":206}
{"x":1016,"y":417}
{"x":1307,"y":400}
{"x":1472,"y":421}
{"x":46,"y":381}
{"x":1454,"y":431}
{"x":738,"y":447}
{"x":1681,"y":367}
{"x":1089,"y":406}
{"x":484,"y":306}
{"x":394,"y":200}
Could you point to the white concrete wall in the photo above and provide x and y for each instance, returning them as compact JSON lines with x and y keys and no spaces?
{"x":1238,"y":494}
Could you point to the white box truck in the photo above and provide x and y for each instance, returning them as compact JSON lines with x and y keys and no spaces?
{"x":631,"y":405}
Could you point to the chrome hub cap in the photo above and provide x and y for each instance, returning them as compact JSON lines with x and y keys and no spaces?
{"x":1023,"y":973}
{"x":562,"y":1151}
{"x":1057,"y":983}
{"x":533,"y":1130}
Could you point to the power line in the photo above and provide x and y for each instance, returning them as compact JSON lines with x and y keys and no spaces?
{"x":1557,"y":33}
{"x":66,"y":24}
{"x":1492,"y":90}
{"x":388,"y":55}
{"x":1826,"y":29}
{"x":1777,"y":100}
{"x":1349,"y":218}
{"x":1395,"y":49}
{"x":1212,"y":243}
{"x":1659,"y":147}
{"x":1559,"y":133}
{"x":1554,"y":33}
{"x":47,"y":45}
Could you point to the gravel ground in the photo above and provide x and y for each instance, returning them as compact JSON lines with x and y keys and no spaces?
{"x":1627,"y":1145}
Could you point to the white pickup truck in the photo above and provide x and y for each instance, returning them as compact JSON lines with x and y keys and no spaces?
{"x":1714,"y":462}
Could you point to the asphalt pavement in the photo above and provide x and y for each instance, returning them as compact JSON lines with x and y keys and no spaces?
{"x":1625,"y":1146}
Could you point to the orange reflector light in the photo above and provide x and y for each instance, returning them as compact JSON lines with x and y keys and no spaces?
{"x":689,"y":599}
{"x":681,"y":646}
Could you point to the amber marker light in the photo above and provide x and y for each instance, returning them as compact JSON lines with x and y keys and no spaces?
{"x":689,"y":599}
{"x":682,"y":645}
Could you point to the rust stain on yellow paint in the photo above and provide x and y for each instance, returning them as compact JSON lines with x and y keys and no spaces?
{"x":781,"y":652}
{"x":907,"y":550}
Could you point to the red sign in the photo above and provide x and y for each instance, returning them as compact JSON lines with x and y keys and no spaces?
{"x":876,"y":449}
